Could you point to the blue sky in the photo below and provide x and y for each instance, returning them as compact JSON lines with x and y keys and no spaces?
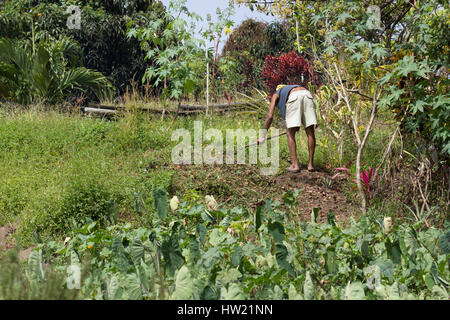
{"x":203,"y":7}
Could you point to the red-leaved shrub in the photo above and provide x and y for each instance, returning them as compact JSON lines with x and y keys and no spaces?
{"x":288,"y":69}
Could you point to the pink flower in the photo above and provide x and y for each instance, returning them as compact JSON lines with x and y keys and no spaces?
{"x":366,"y":177}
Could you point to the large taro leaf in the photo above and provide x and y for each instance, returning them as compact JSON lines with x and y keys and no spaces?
{"x":207,"y":217}
{"x":236,"y":257}
{"x":171,"y":251}
{"x":268,"y":208}
{"x":276,"y":230}
{"x":440,"y":293}
{"x":293,"y":294}
{"x":410,"y":241}
{"x":227,"y":276}
{"x":393,"y":250}
{"x":208,"y":293}
{"x":365,"y":249}
{"x":373,"y":275}
{"x":281,"y":254}
{"x":121,"y":258}
{"x":387,"y":268}
{"x":132,"y":287}
{"x":201,"y":232}
{"x":184,"y":285}
{"x":137,"y":251}
{"x":210,"y":257}
{"x":308,"y":287}
{"x":35,"y":265}
{"x":277,"y":293}
{"x":331,"y":262}
{"x":234,"y":292}
{"x":160,"y":197}
{"x":194,"y":248}
{"x":354,"y":291}
{"x":259,"y":216}
{"x":218,"y":236}
{"x":444,"y":243}
{"x":112,"y":288}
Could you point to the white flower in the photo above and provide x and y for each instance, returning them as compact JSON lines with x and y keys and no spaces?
{"x":211,"y":203}
{"x":231,"y":231}
{"x":66,"y":240}
{"x":387,"y":223}
{"x":174,"y":203}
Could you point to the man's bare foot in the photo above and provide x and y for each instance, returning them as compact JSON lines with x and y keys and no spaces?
{"x":293,"y":169}
{"x":310,"y":168}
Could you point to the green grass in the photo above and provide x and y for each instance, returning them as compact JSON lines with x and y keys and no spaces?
{"x":55,"y":167}
{"x":50,"y":157}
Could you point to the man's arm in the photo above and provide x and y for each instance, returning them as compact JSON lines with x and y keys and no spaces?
{"x":269,"y":118}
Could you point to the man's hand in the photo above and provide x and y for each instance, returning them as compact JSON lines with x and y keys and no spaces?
{"x":261,"y":140}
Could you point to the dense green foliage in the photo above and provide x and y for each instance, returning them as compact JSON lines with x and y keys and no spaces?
{"x":43,"y":73}
{"x":55,"y":163}
{"x":250,"y":44}
{"x":101,"y":42}
{"x":405,"y":54}
{"x":92,"y":193}
{"x":199,"y":252}
{"x":172,"y":49}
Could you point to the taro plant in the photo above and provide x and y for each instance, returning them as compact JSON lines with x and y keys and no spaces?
{"x":193,"y":253}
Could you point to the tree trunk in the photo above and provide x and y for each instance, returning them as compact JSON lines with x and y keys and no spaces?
{"x":358,"y":181}
{"x":298,"y":35}
{"x":164,"y":99}
{"x":362,"y":144}
{"x":207,"y":82}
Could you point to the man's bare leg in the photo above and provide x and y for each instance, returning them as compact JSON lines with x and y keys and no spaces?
{"x":311,"y":146}
{"x":292,"y":149}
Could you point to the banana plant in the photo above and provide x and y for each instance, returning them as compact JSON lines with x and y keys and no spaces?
{"x":44,"y":75}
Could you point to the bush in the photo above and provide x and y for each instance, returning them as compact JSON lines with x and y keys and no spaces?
{"x":84,"y":201}
{"x":251,"y":42}
{"x":290,"y":68}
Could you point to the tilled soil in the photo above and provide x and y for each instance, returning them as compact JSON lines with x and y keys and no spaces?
{"x":244,"y":185}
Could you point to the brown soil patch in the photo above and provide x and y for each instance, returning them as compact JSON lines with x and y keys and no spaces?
{"x":7,"y":242}
{"x":317,"y":193}
{"x":244,"y":185}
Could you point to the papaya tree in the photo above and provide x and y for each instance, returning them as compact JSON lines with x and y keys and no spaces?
{"x":170,"y":45}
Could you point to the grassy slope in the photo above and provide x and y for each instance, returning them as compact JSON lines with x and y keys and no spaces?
{"x":50,"y":161}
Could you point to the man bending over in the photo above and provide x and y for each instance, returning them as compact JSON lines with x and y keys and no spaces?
{"x":297,"y":108}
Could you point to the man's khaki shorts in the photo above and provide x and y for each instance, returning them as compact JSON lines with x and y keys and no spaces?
{"x":300,"y":110}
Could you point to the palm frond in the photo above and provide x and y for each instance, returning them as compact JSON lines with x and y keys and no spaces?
{"x":82,"y":79}
{"x":258,"y":102}
{"x":44,"y":75}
